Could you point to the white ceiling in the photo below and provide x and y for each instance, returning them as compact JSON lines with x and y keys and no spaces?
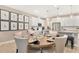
{"x":46,"y":10}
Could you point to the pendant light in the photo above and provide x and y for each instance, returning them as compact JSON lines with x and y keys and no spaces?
{"x":71,"y":11}
{"x":57,"y":13}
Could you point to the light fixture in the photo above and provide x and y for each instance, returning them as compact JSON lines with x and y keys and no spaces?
{"x":46,"y":15}
{"x":58,"y":18}
{"x":71,"y":16}
{"x":57,"y":13}
{"x":71,"y":12}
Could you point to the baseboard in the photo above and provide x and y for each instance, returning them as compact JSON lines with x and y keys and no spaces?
{"x":11,"y":41}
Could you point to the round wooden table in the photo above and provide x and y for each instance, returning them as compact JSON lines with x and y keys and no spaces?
{"x":44,"y":42}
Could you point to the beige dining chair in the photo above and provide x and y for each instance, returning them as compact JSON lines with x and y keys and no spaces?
{"x":60,"y":44}
{"x":21,"y":44}
{"x":53,"y":33}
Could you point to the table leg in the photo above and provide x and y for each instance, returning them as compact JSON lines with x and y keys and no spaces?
{"x":41,"y":49}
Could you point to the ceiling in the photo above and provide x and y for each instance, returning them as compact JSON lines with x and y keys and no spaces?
{"x":47,"y":10}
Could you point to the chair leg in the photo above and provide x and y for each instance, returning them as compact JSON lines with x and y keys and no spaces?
{"x":41,"y":49}
{"x":16,"y":50}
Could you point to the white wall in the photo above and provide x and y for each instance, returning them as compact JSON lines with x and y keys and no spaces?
{"x":6,"y":35}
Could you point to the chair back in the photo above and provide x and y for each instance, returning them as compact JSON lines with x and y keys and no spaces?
{"x":21,"y":44}
{"x":60,"y":44}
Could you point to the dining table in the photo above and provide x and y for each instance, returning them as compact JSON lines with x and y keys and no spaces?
{"x":43,"y":42}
